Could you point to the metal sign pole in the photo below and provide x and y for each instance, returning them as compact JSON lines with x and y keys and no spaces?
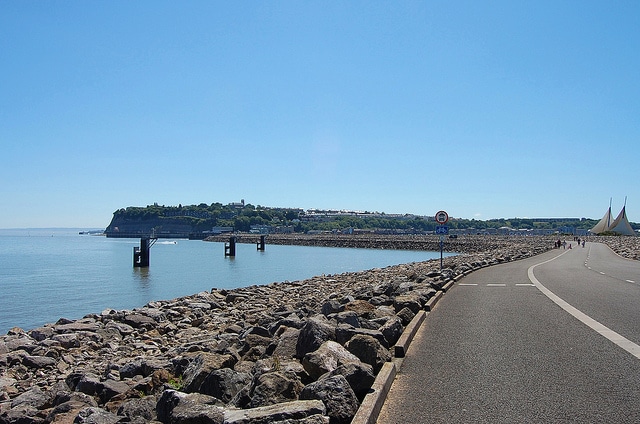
{"x":442,"y":218}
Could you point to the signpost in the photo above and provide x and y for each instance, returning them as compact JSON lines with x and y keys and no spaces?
{"x":442,"y":218}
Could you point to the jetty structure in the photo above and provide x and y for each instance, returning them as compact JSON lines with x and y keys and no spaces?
{"x":620,"y":225}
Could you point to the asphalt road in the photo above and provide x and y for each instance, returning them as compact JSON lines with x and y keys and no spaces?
{"x":497,"y":349}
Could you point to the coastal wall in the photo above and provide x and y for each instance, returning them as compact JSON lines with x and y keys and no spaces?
{"x":461,"y":244}
{"x":306,"y":350}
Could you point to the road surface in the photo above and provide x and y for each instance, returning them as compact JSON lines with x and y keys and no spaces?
{"x":553,"y":338}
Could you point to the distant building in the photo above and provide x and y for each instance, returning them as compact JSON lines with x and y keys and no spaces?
{"x":237,"y":205}
{"x":260,"y":229}
{"x":220,"y":230}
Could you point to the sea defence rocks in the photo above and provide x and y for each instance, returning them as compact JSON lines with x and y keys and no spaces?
{"x":301,"y":351}
{"x":462,"y":244}
{"x":625,"y":246}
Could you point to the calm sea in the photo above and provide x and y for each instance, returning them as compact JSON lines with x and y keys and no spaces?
{"x":46,"y":274}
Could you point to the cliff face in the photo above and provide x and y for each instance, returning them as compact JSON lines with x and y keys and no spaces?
{"x":165,"y":227}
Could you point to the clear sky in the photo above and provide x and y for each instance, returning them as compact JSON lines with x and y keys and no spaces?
{"x":486,"y":109}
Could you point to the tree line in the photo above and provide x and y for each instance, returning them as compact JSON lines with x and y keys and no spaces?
{"x":204,"y":216}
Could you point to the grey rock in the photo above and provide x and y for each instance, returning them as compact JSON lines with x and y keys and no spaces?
{"x":224,"y":384}
{"x":144,"y":367}
{"x":201,"y":366}
{"x":349,"y":317}
{"x":336,"y":393}
{"x":269,"y":388}
{"x":139,"y":321}
{"x":392,"y":330}
{"x":41,"y":333}
{"x":92,"y":385}
{"x":38,"y":361}
{"x":369,"y":350}
{"x":138,"y":408}
{"x":359,"y":376}
{"x":410,"y":301}
{"x":406,"y":315}
{"x":344,"y":333}
{"x":93,"y":415}
{"x":22,"y":414}
{"x":285,"y":342}
{"x":122,"y":328}
{"x":298,"y":412}
{"x":327,"y":358}
{"x":67,"y":340}
{"x":33,"y":397}
{"x":316,"y":331}
{"x":256,"y":330}
{"x":176,"y":407}
{"x":331,"y":307}
{"x":88,"y":325}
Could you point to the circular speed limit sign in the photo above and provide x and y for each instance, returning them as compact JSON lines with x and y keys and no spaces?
{"x":442,"y":217}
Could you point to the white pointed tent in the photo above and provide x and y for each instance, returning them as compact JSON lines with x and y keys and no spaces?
{"x":604,"y":224}
{"x":621,"y":224}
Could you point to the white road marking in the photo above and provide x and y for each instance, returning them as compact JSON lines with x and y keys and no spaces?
{"x":528,"y":285}
{"x":601,"y":329}
{"x":496,"y":285}
{"x":630,"y":281}
{"x":602,"y":273}
{"x":467,"y":284}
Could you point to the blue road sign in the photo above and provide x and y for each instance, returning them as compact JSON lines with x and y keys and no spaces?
{"x":442,"y":229}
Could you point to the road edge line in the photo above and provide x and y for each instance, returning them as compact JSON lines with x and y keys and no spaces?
{"x":601,"y":329}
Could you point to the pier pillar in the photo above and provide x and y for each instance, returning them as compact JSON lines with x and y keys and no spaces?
{"x":230,"y":247}
{"x":141,"y":254}
{"x":261,"y":243}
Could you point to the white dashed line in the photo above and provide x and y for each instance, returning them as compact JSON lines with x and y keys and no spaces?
{"x":496,"y":285}
{"x":467,"y":284}
{"x":528,"y":285}
{"x":630,"y":281}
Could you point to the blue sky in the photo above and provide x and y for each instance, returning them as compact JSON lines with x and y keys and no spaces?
{"x":486,"y":109}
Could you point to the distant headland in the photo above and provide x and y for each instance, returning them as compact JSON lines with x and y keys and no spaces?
{"x":205,"y":220}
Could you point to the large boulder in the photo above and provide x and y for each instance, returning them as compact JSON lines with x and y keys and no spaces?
{"x":326,"y":358}
{"x":316,"y":331}
{"x":269,"y":388}
{"x":359,"y":375}
{"x":298,"y":412}
{"x":92,"y":385}
{"x":337,"y":395}
{"x":392,"y":330}
{"x":93,"y":415}
{"x":203,"y":365}
{"x":411,"y":301}
{"x":285,"y":342}
{"x":224,"y":383}
{"x":369,"y":350}
{"x":176,"y":407}
{"x":144,"y":408}
{"x":345,"y":332}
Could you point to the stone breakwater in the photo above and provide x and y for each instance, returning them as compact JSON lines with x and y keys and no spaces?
{"x":302,"y":351}
{"x":627,"y":247}
{"x":374,"y":241}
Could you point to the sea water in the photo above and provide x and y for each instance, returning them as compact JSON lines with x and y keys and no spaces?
{"x":46,"y":274}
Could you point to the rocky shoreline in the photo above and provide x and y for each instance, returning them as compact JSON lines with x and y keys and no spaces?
{"x":289,"y":352}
